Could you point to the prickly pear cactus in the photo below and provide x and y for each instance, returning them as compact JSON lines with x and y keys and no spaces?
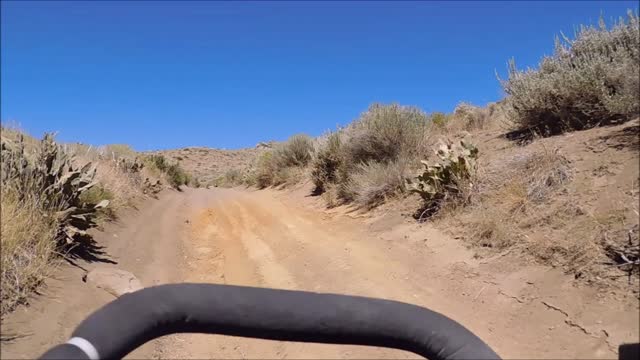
{"x":456,"y":162}
{"x":51,"y":175}
{"x":65,"y":183}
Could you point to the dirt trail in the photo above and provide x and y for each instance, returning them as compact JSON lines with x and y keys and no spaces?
{"x":272,"y":239}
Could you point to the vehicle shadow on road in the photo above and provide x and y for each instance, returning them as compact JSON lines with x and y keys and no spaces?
{"x":87,"y":249}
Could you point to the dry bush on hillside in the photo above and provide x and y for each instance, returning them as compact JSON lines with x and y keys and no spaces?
{"x":513,"y":195}
{"x":385,"y":132}
{"x":467,"y":117}
{"x":171,"y":171}
{"x":353,"y":159}
{"x":326,"y":162}
{"x":231,"y":178}
{"x":296,"y":151}
{"x":282,"y":165}
{"x":121,"y":172}
{"x":372,"y":183}
{"x":27,"y":231}
{"x":42,"y":211}
{"x":588,"y":81}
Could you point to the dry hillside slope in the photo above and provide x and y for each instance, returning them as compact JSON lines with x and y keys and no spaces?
{"x":208,"y":164}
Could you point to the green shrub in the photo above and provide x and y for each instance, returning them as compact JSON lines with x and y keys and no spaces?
{"x":158,"y":161}
{"x":451,"y":176}
{"x":95,"y":195}
{"x":587,"y":81}
{"x":439,"y":119}
{"x":176,"y":176}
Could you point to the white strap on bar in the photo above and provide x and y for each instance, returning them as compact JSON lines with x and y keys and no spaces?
{"x":85,"y":346}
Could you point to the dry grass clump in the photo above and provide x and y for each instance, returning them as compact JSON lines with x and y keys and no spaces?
{"x":513,"y":194}
{"x":467,"y":117}
{"x":42,"y":211}
{"x":372,"y":183}
{"x":27,"y":230}
{"x":588,"y":81}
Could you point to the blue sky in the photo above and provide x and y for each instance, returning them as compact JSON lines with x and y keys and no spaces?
{"x":160,"y":75}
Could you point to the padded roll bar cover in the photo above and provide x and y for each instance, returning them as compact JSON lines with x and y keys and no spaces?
{"x":135,"y":318}
{"x":66,"y":352}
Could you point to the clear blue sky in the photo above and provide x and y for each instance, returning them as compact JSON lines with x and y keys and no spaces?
{"x":162,"y":75}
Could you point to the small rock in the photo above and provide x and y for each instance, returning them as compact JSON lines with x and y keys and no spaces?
{"x":114,"y":281}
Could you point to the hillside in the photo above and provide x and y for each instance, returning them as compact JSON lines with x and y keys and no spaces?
{"x":208,"y":164}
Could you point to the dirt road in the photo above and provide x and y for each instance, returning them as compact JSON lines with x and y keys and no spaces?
{"x":272,"y":239}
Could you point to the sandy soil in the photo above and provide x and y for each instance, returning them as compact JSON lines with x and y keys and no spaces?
{"x":285,"y":240}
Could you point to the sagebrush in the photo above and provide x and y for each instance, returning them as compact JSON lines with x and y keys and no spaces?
{"x":588,"y":81}
{"x":364,"y":161}
{"x":283,"y":164}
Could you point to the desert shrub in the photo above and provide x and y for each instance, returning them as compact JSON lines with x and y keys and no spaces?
{"x":590,"y":80}
{"x":546,"y":171}
{"x":42,"y":211}
{"x":230,"y":178}
{"x":177,"y":176}
{"x":174,"y":173}
{"x":450,"y":177}
{"x":265,"y":170}
{"x":470,"y":117}
{"x":233,"y":176}
{"x":119,"y":151}
{"x":296,"y":151}
{"x":352,"y":159}
{"x":27,"y":237}
{"x":439,"y":119}
{"x":95,"y":195}
{"x":384,"y":132}
{"x":158,"y":161}
{"x":283,"y":163}
{"x":326,"y":162}
{"x":372,"y":183}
